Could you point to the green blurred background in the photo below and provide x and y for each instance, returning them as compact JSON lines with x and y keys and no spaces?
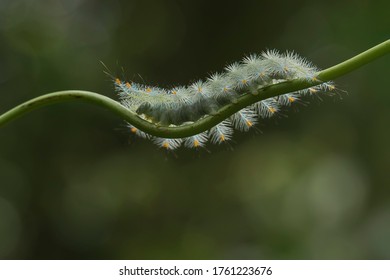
{"x":75,"y":185}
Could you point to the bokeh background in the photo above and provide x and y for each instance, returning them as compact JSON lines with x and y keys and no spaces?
{"x":75,"y":185}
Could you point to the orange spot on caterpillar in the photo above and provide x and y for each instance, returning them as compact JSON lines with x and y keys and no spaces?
{"x":165,"y":145}
{"x":117,"y":81}
{"x":133,"y":129}
{"x":272,"y":110}
{"x":222,"y":137}
{"x":244,"y":82}
{"x":196,"y":143}
{"x":128,"y":85}
{"x":174,"y":92}
{"x":291,"y":99}
{"x":148,"y":90}
{"x":249,"y":123}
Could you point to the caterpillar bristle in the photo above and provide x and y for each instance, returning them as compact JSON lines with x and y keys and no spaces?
{"x":196,"y":141}
{"x":221,"y":133}
{"x":138,"y":132}
{"x":167,"y":143}
{"x":267,"y":108}
{"x":182,"y":105}
{"x":244,"y":119}
{"x":287,"y":99}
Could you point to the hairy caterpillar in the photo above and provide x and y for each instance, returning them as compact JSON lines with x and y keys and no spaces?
{"x":185,"y":105}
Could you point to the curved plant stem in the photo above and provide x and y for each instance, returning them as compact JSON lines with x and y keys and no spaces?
{"x":209,"y":121}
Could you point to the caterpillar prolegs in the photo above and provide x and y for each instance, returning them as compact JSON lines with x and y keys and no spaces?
{"x":185,"y":105}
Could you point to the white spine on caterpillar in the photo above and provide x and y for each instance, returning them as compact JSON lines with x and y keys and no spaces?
{"x":183,"y":105}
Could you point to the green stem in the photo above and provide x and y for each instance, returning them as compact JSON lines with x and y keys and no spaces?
{"x":206,"y":122}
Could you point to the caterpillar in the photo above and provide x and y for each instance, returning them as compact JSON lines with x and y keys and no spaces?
{"x":184,"y":105}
